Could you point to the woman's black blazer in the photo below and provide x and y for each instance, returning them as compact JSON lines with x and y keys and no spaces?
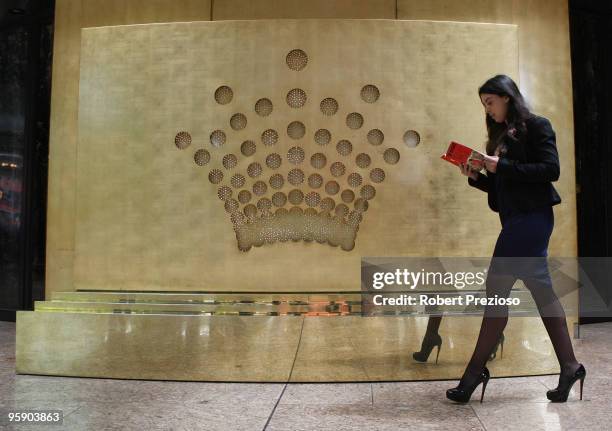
{"x":527,"y":169}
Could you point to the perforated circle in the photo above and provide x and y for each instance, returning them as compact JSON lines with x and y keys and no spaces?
{"x":273,"y":161}
{"x":341,"y":210}
{"x":260,"y":188}
{"x":224,"y":95}
{"x":412,"y":138}
{"x":344,"y":147}
{"x":347,"y":196}
{"x":279,"y":199}
{"x":296,"y":98}
{"x":354,"y":120}
{"x":264,"y":205}
{"x":280,"y":211}
{"x":244,"y":196}
{"x":277,"y":181}
{"x":329,"y":106}
{"x":182,"y":140}
{"x":315,"y":181}
{"x":310,"y":211}
{"x":370,"y":93}
{"x":238,"y":121}
{"x":296,"y":210}
{"x":229,"y":161}
{"x":215,"y":176}
{"x":376,"y":137}
{"x":263,"y":107}
{"x":322,"y":136}
{"x":224,"y":192}
{"x":312,"y":199}
{"x":363,"y":160}
{"x":217,"y":138}
{"x":361,"y":205}
{"x":231,"y":205}
{"x":318,"y":160}
{"x":332,"y":187}
{"x":296,"y":197}
{"x":237,"y":181}
{"x":254,"y":170}
{"x":248,"y":148}
{"x":237,"y":218}
{"x":269,"y":137}
{"x":391,"y":156}
{"x":354,"y":218}
{"x":295,"y":155}
{"x":377,"y":175}
{"x":250,"y":210}
{"x":296,"y":59}
{"x":354,"y":179}
{"x":337,"y":169}
{"x":295,"y":177}
{"x":367,"y":192}
{"x":201,"y":157}
{"x":296,"y":130}
{"x":327,"y":204}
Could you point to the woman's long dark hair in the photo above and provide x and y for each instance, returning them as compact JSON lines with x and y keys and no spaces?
{"x":518,"y":112}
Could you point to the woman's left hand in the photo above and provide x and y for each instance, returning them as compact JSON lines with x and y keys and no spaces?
{"x":491,"y":163}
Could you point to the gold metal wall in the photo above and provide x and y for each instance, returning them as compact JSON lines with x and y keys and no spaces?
{"x":70,"y":17}
{"x":544,"y":77}
{"x":300,"y":9}
{"x":254,"y":337}
{"x":149,"y":217}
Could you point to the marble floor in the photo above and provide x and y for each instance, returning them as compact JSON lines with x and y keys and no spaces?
{"x":510,"y":403}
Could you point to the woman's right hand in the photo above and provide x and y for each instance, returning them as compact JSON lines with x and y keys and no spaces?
{"x":468,"y":171}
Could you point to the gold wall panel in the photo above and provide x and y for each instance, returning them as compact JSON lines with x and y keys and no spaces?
{"x":149,"y":217}
{"x":545,"y":77}
{"x":300,"y":9}
{"x":264,"y":348}
{"x":158,"y":347}
{"x":545,"y":80}
{"x":70,"y":17}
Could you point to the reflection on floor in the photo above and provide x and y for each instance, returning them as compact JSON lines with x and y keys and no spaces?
{"x":510,"y":403}
{"x":258,"y":337}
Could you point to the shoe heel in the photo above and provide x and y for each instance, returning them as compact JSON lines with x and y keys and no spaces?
{"x":502,"y":349}
{"x":484,"y":386}
{"x":581,"y":383}
{"x":438,"y":353}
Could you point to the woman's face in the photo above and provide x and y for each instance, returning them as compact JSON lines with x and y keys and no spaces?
{"x":495,"y":106}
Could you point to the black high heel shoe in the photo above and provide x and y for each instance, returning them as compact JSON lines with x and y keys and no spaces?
{"x":561,"y":392}
{"x":463,"y":392}
{"x":500,"y":343}
{"x":429,"y":342}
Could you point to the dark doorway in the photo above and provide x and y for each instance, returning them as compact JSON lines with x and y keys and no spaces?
{"x":26,"y":34}
{"x":591,"y":42}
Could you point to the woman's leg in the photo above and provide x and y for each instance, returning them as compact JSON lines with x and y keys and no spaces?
{"x":433,"y":325}
{"x":553,"y":317}
{"x":431,"y":339}
{"x":494,"y":321}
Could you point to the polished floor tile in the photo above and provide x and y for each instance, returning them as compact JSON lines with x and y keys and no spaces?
{"x":148,"y":416}
{"x":339,"y":393}
{"x":352,"y":417}
{"x":574,"y":415}
{"x":510,"y":403}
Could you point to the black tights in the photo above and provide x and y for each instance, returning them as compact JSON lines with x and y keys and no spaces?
{"x":496,"y":316}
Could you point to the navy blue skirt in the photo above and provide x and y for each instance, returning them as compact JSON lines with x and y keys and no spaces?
{"x":524,"y":235}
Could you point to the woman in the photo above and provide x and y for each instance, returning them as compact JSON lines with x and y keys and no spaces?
{"x":521,"y":162}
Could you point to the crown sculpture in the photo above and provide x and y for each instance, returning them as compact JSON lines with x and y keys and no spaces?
{"x":326,"y":191}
